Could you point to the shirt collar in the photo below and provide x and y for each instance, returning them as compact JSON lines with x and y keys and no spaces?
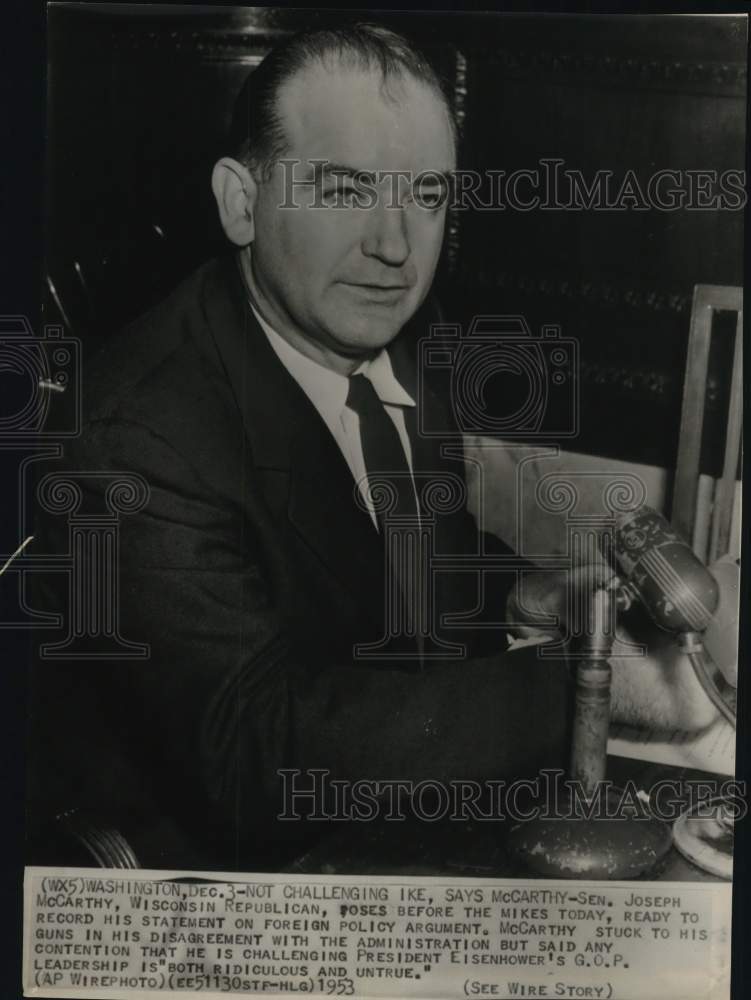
{"x":389,"y":389}
{"x":327,"y":389}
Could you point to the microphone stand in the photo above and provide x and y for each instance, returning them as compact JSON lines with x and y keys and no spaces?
{"x":592,"y":707}
{"x":579,"y":841}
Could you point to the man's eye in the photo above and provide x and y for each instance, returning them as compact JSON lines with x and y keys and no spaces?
{"x":429,"y":196}
{"x":339,"y":189}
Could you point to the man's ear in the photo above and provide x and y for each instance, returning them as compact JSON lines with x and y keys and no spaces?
{"x":235,"y":191}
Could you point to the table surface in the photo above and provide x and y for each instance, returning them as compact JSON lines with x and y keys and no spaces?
{"x":473,"y":848}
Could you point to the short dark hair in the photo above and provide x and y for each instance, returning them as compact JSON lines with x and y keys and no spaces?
{"x":257,"y":136}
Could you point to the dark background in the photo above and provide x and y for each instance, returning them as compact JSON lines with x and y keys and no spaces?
{"x":140,"y":102}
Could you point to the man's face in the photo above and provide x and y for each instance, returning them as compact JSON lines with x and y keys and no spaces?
{"x":348,"y":278}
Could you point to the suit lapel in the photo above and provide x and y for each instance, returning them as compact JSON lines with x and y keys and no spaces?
{"x":288,"y":438}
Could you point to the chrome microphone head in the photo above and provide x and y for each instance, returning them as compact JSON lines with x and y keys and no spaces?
{"x":678,"y":591}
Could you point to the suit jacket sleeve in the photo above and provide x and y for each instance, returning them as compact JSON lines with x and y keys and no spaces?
{"x":222,"y":703}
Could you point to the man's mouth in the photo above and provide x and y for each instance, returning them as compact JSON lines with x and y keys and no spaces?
{"x":377,"y":291}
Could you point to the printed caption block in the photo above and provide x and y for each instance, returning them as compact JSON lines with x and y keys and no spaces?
{"x":98,"y":933}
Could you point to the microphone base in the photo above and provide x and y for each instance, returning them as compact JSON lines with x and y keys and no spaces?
{"x":618,"y":842}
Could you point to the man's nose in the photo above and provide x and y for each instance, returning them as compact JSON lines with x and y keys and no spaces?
{"x":386,"y":236}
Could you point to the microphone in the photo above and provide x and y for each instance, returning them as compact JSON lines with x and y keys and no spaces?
{"x":675,"y":587}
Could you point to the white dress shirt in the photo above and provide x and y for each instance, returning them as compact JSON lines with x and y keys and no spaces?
{"x":327,"y":390}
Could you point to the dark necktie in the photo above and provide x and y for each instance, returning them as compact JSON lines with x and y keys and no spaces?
{"x":386,"y":466}
{"x":382,"y":452}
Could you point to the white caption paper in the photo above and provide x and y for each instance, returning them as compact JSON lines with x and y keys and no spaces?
{"x":115,"y":934}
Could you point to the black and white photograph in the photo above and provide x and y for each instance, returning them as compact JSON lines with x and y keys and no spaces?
{"x":373,"y":532}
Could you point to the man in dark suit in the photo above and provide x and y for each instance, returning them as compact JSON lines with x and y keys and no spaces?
{"x":254,"y":402}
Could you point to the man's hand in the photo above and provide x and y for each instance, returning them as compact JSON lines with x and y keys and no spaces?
{"x":655,"y":688}
{"x":541,"y":604}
